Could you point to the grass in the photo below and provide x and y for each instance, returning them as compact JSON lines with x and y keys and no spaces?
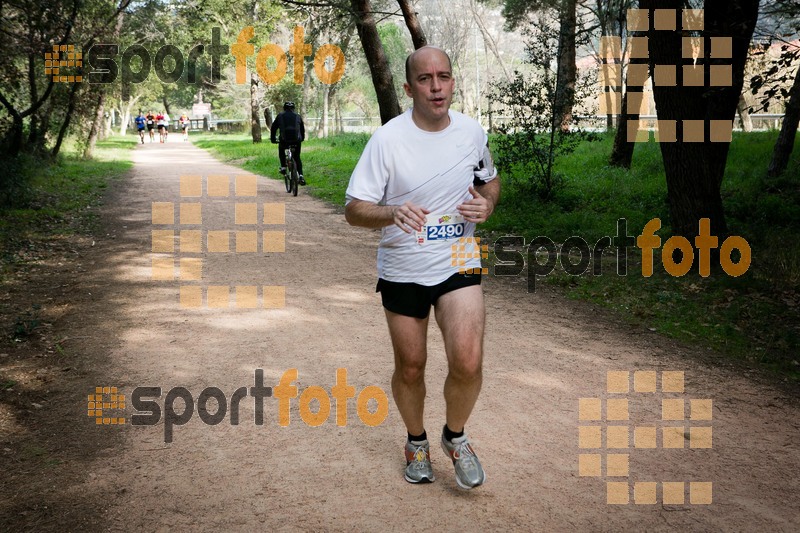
{"x":736,"y":316}
{"x":58,"y":198}
{"x":327,"y":164}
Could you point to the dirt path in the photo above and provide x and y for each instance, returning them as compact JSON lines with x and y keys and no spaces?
{"x":542,"y":355}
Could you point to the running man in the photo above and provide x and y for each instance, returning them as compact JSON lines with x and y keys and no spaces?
{"x":185,"y":123}
{"x":167,"y":120}
{"x":140,"y":124}
{"x":427,"y":178}
{"x":293,"y":133}
{"x":160,"y":124}
{"x":150,"y":120}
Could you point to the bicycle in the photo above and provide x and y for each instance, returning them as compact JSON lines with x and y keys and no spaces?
{"x":291,"y":178}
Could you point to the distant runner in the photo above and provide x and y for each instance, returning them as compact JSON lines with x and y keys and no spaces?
{"x":140,"y":125}
{"x":185,"y":124}
{"x":160,"y":124}
{"x":150,"y":120}
{"x":167,"y":120}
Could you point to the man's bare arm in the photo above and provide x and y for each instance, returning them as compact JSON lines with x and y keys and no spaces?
{"x":408,"y":217}
{"x":484,"y":198}
{"x":491,"y":191}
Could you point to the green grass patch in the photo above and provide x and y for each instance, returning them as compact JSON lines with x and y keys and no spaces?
{"x":327,"y":163}
{"x":753,"y":318}
{"x":59,"y":197}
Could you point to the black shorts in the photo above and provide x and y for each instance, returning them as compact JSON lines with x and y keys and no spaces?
{"x":412,"y":299}
{"x":150,"y":127}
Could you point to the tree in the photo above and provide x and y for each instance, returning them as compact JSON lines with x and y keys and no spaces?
{"x":379,"y":67}
{"x":694,"y":170}
{"x":533,"y":139}
{"x":517,"y":11}
{"x":95,"y":131}
{"x":790,"y":55}
{"x":412,"y":23}
{"x":30,"y":28}
{"x":785,"y":143}
{"x":622,"y":151}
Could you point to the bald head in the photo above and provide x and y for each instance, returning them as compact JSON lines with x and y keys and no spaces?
{"x":420,"y":52}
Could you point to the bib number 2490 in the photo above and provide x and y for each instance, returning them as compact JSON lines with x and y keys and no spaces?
{"x":446,"y":231}
{"x":441,"y":227}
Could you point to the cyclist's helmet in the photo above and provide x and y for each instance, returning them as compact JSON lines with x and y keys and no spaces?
{"x":288,"y":105}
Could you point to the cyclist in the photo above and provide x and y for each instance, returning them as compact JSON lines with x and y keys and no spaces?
{"x":150,"y":120}
{"x":140,"y":124}
{"x":184,"y":122}
{"x":293,"y":133}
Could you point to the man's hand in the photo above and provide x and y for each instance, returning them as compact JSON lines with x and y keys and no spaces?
{"x":477,"y":209}
{"x":409,"y":217}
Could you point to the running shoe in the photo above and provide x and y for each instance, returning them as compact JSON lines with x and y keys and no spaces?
{"x":418,"y":463}
{"x":469,"y":472}
{"x":302,"y":180}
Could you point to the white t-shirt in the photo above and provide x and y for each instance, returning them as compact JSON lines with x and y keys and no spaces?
{"x":433,"y":170}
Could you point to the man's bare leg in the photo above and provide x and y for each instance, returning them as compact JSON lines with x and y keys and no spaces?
{"x":409,"y":340}
{"x":461,"y":317}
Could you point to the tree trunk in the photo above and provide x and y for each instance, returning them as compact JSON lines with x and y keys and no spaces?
{"x":107,"y":122}
{"x":488,"y":41}
{"x":694,"y":170}
{"x":94,"y":132}
{"x":622,"y":153}
{"x":378,"y":65}
{"x":255,"y":116}
{"x":39,"y":144}
{"x":744,"y":113}
{"x":567,"y":68}
{"x":267,"y":117}
{"x":62,"y":132}
{"x":321,"y":123}
{"x":412,"y":23}
{"x":33,"y":131}
{"x":785,"y":142}
{"x":307,"y":88}
{"x":166,"y":105}
{"x":326,"y":95}
{"x":303,"y":111}
{"x":126,"y":113}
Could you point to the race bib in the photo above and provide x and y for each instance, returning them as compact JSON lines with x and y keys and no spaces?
{"x":440,"y":228}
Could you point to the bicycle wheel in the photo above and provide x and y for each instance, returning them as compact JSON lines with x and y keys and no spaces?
{"x":295,"y":180}
{"x":287,"y":176}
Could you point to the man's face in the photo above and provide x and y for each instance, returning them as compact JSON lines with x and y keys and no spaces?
{"x":431,"y":88}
